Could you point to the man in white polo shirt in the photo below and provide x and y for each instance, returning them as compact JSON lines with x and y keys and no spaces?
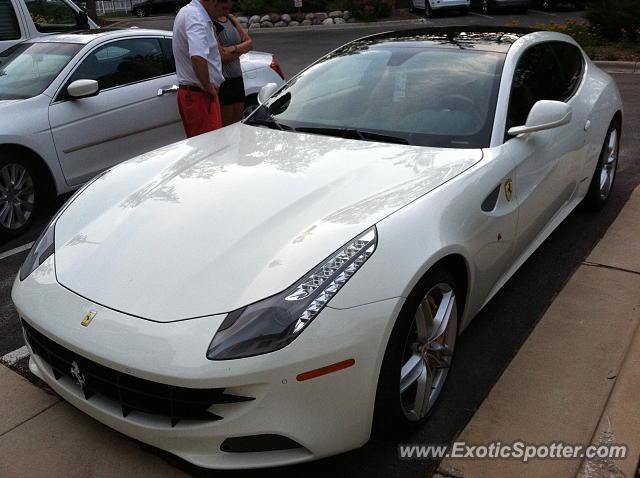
{"x":198,"y":66}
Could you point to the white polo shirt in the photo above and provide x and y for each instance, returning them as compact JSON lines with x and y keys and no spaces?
{"x":193,"y":36}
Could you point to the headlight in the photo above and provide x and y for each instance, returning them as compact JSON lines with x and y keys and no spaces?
{"x":42,"y":248}
{"x":273,"y":323}
{"x":45,"y":245}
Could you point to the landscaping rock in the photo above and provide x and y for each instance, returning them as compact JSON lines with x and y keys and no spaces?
{"x":286,"y":18}
{"x":253,"y":26}
{"x":321,"y":16}
{"x":266,"y":24}
{"x":275,"y":18}
{"x":339,"y":21}
{"x":242,"y":19}
{"x":280,"y":24}
{"x":306,"y":23}
{"x":315,"y":21}
{"x":351,"y":20}
{"x":327,"y":21}
{"x":335,"y":14}
{"x":254,"y":19}
{"x":265,"y":18}
{"x":309,"y":16}
{"x":346,"y":15}
{"x":244,"y":26}
{"x":293,"y":23}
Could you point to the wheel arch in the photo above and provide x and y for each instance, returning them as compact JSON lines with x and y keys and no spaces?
{"x":44,"y":173}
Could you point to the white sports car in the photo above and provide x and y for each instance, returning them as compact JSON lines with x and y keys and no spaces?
{"x":74,"y":104}
{"x":267,"y":293}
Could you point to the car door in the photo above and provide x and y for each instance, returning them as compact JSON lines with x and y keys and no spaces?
{"x":134,"y":112}
{"x":546,"y":172}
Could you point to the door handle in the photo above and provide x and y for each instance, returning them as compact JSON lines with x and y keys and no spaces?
{"x":170,"y":89}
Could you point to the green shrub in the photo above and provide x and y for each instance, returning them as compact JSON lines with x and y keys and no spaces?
{"x":615,"y":19}
{"x":369,"y":10}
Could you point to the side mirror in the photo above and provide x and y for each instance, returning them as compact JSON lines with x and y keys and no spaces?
{"x":545,"y":114}
{"x":82,"y":20}
{"x":83,"y":88}
{"x":266,"y":91}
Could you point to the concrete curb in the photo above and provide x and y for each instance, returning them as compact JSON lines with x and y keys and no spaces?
{"x":620,"y":420}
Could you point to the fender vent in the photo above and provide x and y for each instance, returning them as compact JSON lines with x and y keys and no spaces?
{"x":489,"y":204}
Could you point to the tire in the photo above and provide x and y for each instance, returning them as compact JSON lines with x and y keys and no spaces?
{"x":484,"y":8}
{"x":20,"y":194}
{"x":412,"y":9}
{"x":250,"y":105}
{"x":605,"y":174}
{"x":414,"y":370}
{"x":139,"y":12}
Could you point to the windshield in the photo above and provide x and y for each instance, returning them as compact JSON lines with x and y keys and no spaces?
{"x":27,"y":69}
{"x":404,"y":92}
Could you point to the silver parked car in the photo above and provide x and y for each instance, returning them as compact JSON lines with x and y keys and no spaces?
{"x":75,"y":104}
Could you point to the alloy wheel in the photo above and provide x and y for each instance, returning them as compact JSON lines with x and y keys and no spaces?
{"x":17,"y":196}
{"x":608,"y":169}
{"x":428,"y":351}
{"x":485,"y":7}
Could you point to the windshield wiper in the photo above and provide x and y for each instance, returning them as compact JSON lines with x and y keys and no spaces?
{"x":350,"y":133}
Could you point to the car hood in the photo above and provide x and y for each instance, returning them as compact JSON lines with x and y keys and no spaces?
{"x":216,"y":222}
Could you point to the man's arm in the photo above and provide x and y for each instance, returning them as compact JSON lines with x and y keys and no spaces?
{"x":201,"y":69}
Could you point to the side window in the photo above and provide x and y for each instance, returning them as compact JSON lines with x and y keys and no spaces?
{"x":571,"y":67}
{"x":537,"y":77}
{"x":9,"y":29}
{"x":122,"y":62}
{"x":52,"y":15}
{"x":168,"y":55}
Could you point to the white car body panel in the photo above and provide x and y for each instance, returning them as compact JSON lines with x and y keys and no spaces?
{"x":208,"y":225}
{"x":291,"y":208}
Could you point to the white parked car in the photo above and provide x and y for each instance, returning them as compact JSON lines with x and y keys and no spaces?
{"x":25,"y":19}
{"x":58,"y":130}
{"x":263,"y":294}
{"x":431,"y":6}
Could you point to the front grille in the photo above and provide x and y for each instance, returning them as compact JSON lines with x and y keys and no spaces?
{"x":131,"y":393}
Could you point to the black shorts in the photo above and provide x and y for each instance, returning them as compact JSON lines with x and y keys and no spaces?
{"x":231,"y":91}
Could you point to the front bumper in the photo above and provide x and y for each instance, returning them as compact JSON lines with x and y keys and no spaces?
{"x":325,"y":415}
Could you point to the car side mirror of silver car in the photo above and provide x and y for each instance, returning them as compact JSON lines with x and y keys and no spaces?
{"x":545,"y":114}
{"x":266,"y":91}
{"x":83,"y":88}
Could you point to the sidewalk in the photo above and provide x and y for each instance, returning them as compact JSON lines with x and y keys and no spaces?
{"x":577,"y":377}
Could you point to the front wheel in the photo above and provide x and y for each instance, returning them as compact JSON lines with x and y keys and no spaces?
{"x":419,"y":354}
{"x":18,"y":196}
{"x":605,"y":173}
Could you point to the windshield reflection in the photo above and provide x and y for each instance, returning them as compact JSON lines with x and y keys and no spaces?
{"x":27,"y":69}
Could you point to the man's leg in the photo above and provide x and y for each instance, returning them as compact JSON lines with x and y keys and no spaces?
{"x":200,"y":112}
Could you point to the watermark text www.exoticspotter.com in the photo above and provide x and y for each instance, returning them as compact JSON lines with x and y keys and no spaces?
{"x":517,"y":450}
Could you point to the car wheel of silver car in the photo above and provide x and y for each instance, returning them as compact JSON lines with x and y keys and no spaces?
{"x":419,"y":353}
{"x":605,"y":173}
{"x":17,"y":197}
{"x":140,"y":12}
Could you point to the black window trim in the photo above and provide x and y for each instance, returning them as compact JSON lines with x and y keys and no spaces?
{"x":60,"y":95}
{"x":583,"y":70}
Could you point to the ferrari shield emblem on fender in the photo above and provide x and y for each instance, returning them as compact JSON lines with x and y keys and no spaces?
{"x":508,"y":189}
{"x":88,"y":318}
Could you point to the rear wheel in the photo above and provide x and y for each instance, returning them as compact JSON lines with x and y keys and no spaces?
{"x":140,"y":12}
{"x":605,"y":173}
{"x":419,"y":354}
{"x":19,"y":196}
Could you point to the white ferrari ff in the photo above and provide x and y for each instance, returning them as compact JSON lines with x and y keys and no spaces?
{"x":75,"y":104}
{"x":267,"y":293}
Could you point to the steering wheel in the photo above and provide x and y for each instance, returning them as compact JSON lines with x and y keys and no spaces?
{"x":457,"y":102}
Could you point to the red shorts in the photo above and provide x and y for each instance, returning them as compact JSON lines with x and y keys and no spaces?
{"x":200,"y":112}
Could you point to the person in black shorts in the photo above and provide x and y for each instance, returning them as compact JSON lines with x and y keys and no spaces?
{"x":233,"y":41}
